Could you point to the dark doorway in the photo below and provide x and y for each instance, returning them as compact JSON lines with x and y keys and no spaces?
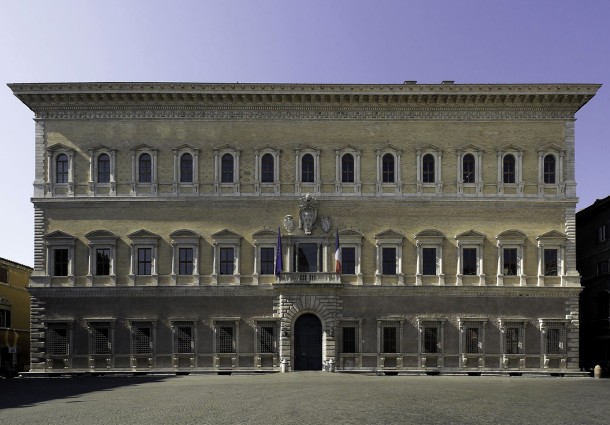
{"x":308,"y":343}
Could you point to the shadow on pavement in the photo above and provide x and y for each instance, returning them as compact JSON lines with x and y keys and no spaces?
{"x":25,"y":392}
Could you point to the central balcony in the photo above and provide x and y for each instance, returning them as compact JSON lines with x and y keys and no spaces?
{"x":310,"y":278}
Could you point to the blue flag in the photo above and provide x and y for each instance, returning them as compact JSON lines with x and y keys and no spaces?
{"x":279,"y":264}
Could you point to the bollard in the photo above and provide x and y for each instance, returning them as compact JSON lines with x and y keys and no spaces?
{"x":331,"y":365}
{"x":597,"y":372}
{"x":284,"y":366}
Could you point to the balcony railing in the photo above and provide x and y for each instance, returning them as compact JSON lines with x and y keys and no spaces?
{"x":314,"y":278}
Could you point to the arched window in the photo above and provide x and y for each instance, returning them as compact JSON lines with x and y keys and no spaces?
{"x":468,"y":169}
{"x":267,"y":169}
{"x":145,"y":168}
{"x":508,"y":169}
{"x":388,"y":168}
{"x":549,"y":169}
{"x":347,"y":168}
{"x":103,"y":168}
{"x":428,"y":168}
{"x":226,"y":169}
{"x":61,"y":168}
{"x":186,"y":168}
{"x":307,"y":169}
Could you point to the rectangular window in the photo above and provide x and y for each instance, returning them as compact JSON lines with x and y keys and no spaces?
{"x":555,"y":340}
{"x":550,"y":262}
{"x":225,"y":337}
{"x":142,"y":338}
{"x":183,"y":338}
{"x":144,"y":261}
{"x":513,"y":339}
{"x":469,"y":261}
{"x":510,"y":261}
{"x":389,"y":261}
{"x":101,"y":338}
{"x":5,"y":318}
{"x":601,"y":233}
{"x":58,"y":339}
{"x":473,"y":339}
{"x":227,"y":261}
{"x":348,"y":260}
{"x":266,"y":342}
{"x":267,"y":260}
{"x":429,"y":261}
{"x":390,"y":339}
{"x":602,"y":268}
{"x":349,"y":339}
{"x":431,"y":338}
{"x":185,"y":261}
{"x":3,"y":275}
{"x":60,"y":262}
{"x":102,"y":261}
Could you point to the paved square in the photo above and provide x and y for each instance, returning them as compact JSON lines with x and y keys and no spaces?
{"x":304,"y":398}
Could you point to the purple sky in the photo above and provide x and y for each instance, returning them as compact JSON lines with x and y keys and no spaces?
{"x":312,"y":41}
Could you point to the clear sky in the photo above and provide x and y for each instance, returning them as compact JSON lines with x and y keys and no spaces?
{"x":302,"y":41}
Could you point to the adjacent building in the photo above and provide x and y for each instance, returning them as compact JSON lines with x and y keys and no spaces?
{"x":197,"y":227}
{"x":593,"y":248}
{"x":14,"y":317}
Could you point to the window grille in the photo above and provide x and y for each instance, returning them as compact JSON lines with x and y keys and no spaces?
{"x":349,"y":338}
{"x":266,"y":337}
{"x":141,"y":338}
{"x":225,"y":337}
{"x":555,"y":339}
{"x":431,"y":337}
{"x":513,"y":338}
{"x":58,"y":339}
{"x":101,"y":342}
{"x":390,"y":337}
{"x":473,"y":339}
{"x":183,"y":338}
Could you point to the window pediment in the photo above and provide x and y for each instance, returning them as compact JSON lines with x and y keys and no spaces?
{"x":347,"y":149}
{"x":267,"y":148}
{"x":183,"y":233}
{"x":470,"y":148}
{"x":389,"y":148}
{"x":307,"y":148}
{"x":58,"y":235}
{"x":513,"y":235}
{"x":430,"y":236}
{"x":142,"y":234}
{"x":552,"y":237}
{"x":471,"y":236}
{"x":264,"y":234}
{"x":58,"y":147}
{"x":551,"y":147}
{"x":100,"y":234}
{"x":509,"y":148}
{"x":428,"y":148}
{"x":186,"y":147}
{"x":389,"y":234}
{"x":226,"y":147}
{"x":142,"y":147}
{"x":226,"y":235}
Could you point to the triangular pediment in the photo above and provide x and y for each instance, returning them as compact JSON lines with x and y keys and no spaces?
{"x":429,"y":233}
{"x":264,"y":233}
{"x":553,"y":234}
{"x":389,"y":148}
{"x":58,"y":234}
{"x":58,"y":146}
{"x":100,"y":234}
{"x":510,"y":148}
{"x":142,"y":147}
{"x":226,"y":147}
{"x":511,"y":234}
{"x":471,"y":234}
{"x":101,"y":148}
{"x":389,"y":234}
{"x":429,"y":148}
{"x":183,"y":233}
{"x":226,"y":234}
{"x":185,"y":147}
{"x":267,"y":148}
{"x":470,"y":148}
{"x":142,"y":234}
{"x":347,"y":148}
{"x":307,"y":148}
{"x":550,"y":147}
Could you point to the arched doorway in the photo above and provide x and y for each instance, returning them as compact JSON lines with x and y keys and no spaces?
{"x":308,"y":343}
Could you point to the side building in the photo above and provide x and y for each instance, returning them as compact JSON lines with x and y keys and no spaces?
{"x":593,"y":257}
{"x":193,"y":227}
{"x":14,"y":317}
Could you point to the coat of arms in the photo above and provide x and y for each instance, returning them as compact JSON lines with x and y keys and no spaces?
{"x":326,"y":223}
{"x":307,"y":214}
{"x":289,"y":223}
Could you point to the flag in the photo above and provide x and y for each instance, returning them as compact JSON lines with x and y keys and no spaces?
{"x":337,"y":254}
{"x":279,"y":264}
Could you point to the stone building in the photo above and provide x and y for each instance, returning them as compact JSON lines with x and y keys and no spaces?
{"x":14,"y":317}
{"x":593,"y":248}
{"x":162,"y":211}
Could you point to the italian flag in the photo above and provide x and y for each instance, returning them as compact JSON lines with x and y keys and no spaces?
{"x":337,"y":254}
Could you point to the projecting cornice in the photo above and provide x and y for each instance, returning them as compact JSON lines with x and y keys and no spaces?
{"x":303,"y":101}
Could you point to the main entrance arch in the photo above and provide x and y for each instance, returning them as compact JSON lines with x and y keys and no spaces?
{"x":308,"y":343}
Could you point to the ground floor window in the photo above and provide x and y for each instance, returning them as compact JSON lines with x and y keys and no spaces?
{"x":431,"y":337}
{"x":389,"y":338}
{"x":101,"y":338}
{"x":225,"y":337}
{"x":350,"y":338}
{"x":142,"y":338}
{"x":513,"y":338}
{"x":472,"y":338}
{"x":58,"y":339}
{"x":267,"y":337}
{"x":184,"y":342}
{"x":555,"y":337}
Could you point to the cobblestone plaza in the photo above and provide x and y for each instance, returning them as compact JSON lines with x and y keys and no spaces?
{"x":305,"y":397}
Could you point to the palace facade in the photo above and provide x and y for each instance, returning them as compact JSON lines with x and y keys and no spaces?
{"x":192,"y":227}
